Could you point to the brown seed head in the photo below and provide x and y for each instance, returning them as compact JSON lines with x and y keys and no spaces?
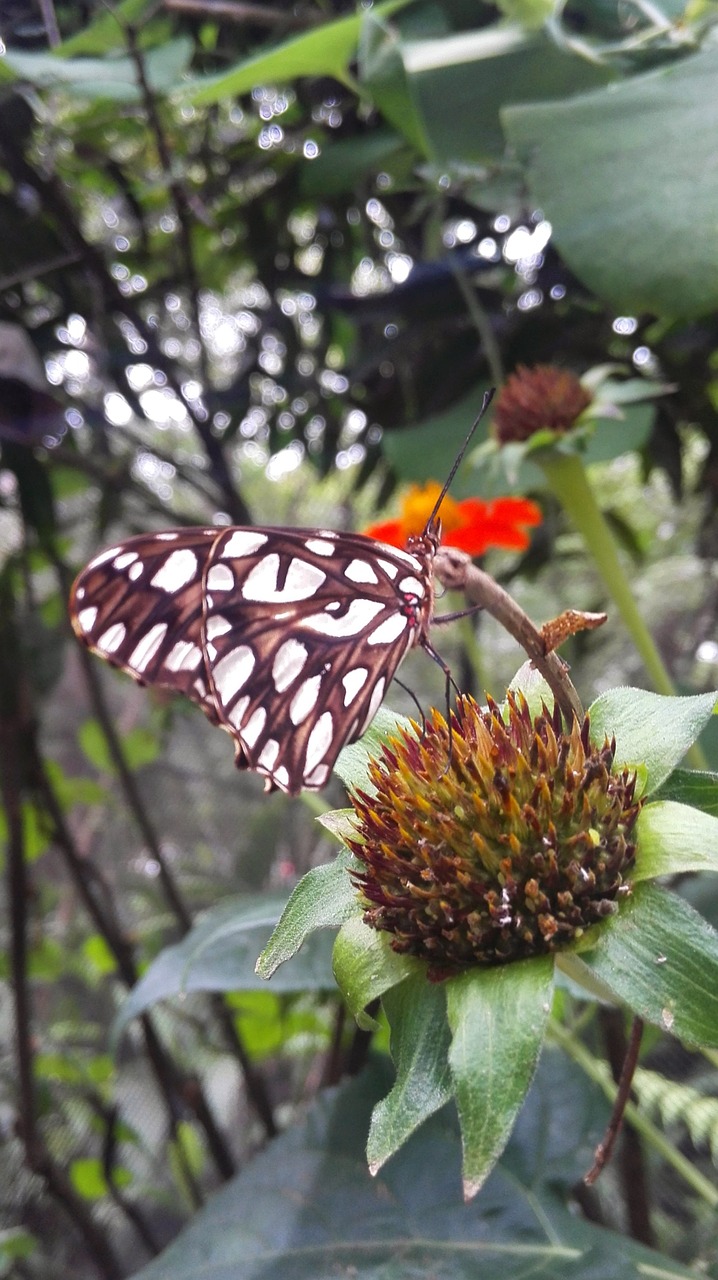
{"x":537,"y":399}
{"x":508,"y":847}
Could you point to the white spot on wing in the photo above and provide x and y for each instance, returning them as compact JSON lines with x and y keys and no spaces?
{"x":217,"y":626}
{"x":237,"y":713}
{"x":178,"y":570}
{"x":397,"y":554}
{"x":317,"y":777}
{"x":388,"y":630}
{"x":360,"y":571}
{"x":320,"y":546}
{"x":171,"y":536}
{"x":136,"y":571}
{"x":185,"y":656}
{"x":243,"y":542}
{"x":389,"y":568}
{"x":103,"y":556}
{"x":254,"y":726}
{"x":412,"y":587}
{"x":128,"y":557}
{"x":319,"y":742}
{"x":301,"y":582}
{"x":289,"y":660}
{"x":375,"y":703}
{"x":359,"y":614}
{"x":86,"y":618}
{"x":232,"y":671}
{"x":112,"y":638}
{"x":304,"y":700}
{"x":268,"y":754}
{"x":220,"y":578}
{"x":281,"y":777}
{"x":354,"y":682}
{"x":144,"y":652}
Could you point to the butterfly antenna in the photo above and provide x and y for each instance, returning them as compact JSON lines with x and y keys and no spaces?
{"x":488,"y":397}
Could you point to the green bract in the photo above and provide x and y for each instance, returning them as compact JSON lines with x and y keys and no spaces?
{"x":476,"y":1030}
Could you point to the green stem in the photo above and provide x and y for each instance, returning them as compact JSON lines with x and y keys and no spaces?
{"x":599,"y":1073}
{"x":567,"y":479}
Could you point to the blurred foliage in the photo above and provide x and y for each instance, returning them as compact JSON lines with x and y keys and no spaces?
{"x":257,"y":263}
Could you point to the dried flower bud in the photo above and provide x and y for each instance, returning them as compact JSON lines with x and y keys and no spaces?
{"x":538,"y":399}
{"x":507,"y":841}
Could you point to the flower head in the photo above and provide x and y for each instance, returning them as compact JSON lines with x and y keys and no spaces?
{"x":472,"y":525}
{"x":505,"y":840}
{"x":538,"y":399}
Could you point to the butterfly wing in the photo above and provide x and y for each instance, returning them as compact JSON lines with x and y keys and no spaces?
{"x":140,"y":607}
{"x":288,"y":638}
{"x":304,"y":631}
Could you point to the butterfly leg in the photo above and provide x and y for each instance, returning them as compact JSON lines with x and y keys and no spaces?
{"x":449,"y":683}
{"x":416,"y":702}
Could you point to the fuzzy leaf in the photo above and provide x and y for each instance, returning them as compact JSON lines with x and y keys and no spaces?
{"x":420,"y":1039}
{"x":365,"y":966}
{"x":660,"y":957}
{"x":220,"y":954}
{"x":323,"y":899}
{"x":650,"y":729}
{"x":674,"y":838}
{"x":352,"y":763}
{"x":498,"y":1019}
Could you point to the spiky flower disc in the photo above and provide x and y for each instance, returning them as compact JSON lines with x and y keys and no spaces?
{"x":540,"y":398}
{"x":504,"y":843}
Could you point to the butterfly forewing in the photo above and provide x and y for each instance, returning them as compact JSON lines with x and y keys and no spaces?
{"x":288,"y":638}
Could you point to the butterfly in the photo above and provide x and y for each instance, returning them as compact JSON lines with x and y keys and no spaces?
{"x":286,"y":638}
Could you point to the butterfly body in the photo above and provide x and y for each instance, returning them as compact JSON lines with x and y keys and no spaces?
{"x":286,"y":638}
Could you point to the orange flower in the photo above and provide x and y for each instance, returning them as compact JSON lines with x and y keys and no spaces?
{"x":471,"y":524}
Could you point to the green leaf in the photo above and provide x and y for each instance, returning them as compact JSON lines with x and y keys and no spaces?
{"x":660,"y":958}
{"x":325,"y":50}
{"x":340,"y":165}
{"x":113,"y":78}
{"x":98,"y":955}
{"x":498,"y":1018}
{"x":612,"y":438}
{"x":353,"y":760}
{"x":460,"y":82}
{"x":88,"y":1178}
{"x":365,"y":966}
{"x":15,"y":1243}
{"x":324,"y":898}
{"x":408,"y":1222}
{"x":689,"y":786}
{"x":94,"y":745}
{"x":650,"y":729}
{"x":674,"y":838}
{"x":220,"y":953}
{"x":107,"y":31}
{"x":420,"y":453}
{"x":340,"y":823}
{"x":140,"y":747}
{"x":383,"y":76}
{"x":627,"y":179}
{"x":420,"y":1039}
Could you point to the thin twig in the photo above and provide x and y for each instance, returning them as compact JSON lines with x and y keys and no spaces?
{"x":605,"y":1147}
{"x":457,"y":573}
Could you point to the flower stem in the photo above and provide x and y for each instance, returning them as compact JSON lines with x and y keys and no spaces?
{"x":568,"y":481}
